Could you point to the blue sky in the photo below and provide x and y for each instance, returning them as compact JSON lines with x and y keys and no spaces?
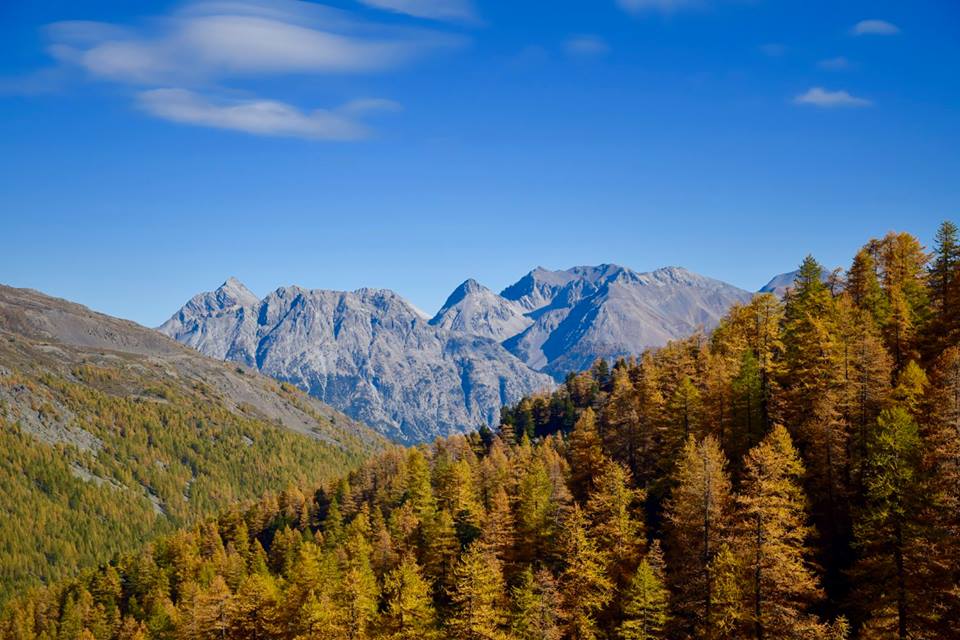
{"x":150,"y":150}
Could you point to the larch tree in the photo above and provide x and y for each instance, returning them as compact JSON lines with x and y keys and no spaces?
{"x":254,"y":609}
{"x":772,"y":536}
{"x":536,"y":602}
{"x":586,"y":454}
{"x":698,"y":523}
{"x":477,"y":597}
{"x":611,"y":511}
{"x":647,"y":601}
{"x":941,"y":462}
{"x":863,"y":286}
{"x":887,"y":537}
{"x":585,"y":587}
{"x":359,"y":589}
{"x":684,"y":410}
{"x":497,"y":529}
{"x":408,"y":613}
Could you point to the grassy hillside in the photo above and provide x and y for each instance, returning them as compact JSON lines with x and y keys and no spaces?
{"x":111,"y":434}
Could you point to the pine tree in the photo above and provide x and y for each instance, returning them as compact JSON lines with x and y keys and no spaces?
{"x":645,"y":612}
{"x":409,"y":612}
{"x":944,"y":283}
{"x":773,"y":539}
{"x":698,"y":520}
{"x":478,"y":596}
{"x":944,"y":267}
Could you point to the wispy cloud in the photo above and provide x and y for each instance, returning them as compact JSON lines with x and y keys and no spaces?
{"x":663,"y":6}
{"x":449,"y":10}
{"x":823,"y":98}
{"x":840,"y":63}
{"x":586,"y":46}
{"x":259,"y":117}
{"x":214,"y":40}
{"x":875,"y":27}
{"x":175,"y":59}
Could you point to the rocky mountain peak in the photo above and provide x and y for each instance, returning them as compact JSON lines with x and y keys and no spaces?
{"x":234,"y":292}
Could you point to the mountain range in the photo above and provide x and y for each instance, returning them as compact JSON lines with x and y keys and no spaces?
{"x":372,"y":354}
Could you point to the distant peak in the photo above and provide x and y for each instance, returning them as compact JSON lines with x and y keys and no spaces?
{"x":470,"y":286}
{"x":235,"y":290}
{"x":466,"y":288}
{"x":233,"y":283}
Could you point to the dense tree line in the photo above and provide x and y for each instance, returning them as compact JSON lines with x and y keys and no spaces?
{"x":795,"y":475}
{"x":159,"y":455}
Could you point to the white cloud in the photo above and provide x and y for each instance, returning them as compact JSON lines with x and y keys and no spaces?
{"x":586,"y":46}
{"x":663,"y":6}
{"x":839,"y":63}
{"x":176,"y":59}
{"x":820,"y":97}
{"x":875,"y":27}
{"x":259,"y":117}
{"x":451,"y":10}
{"x":213,"y":40}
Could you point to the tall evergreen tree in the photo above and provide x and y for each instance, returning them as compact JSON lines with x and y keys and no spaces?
{"x":888,"y":539}
{"x":536,"y":601}
{"x":698,"y":522}
{"x":646,"y":609}
{"x":773,"y":538}
{"x":584,"y":586}
{"x":478,"y":596}
{"x":409,"y":612}
{"x":944,"y":283}
{"x":586,"y":454}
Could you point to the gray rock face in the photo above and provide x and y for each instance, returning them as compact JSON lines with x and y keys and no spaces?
{"x":372,"y":355}
{"x":608,"y":311}
{"x":478,"y":311}
{"x":367,"y":352}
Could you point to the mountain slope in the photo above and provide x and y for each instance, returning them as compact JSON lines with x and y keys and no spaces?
{"x":607,"y":311}
{"x":478,"y":311}
{"x":367,"y":352}
{"x":111,"y":433}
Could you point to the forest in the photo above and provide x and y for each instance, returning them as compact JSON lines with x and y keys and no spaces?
{"x":156,"y":454}
{"x":793,"y":475}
